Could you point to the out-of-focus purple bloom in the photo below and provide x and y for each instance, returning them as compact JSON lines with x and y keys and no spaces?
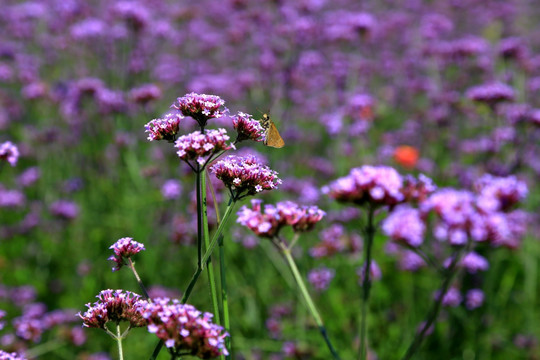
{"x":171,"y":189}
{"x":145,"y":93}
{"x":29,"y":176}
{"x":499,"y":193}
{"x":332,"y":242}
{"x":11,"y":198}
{"x":9,"y":152}
{"x":88,"y":28}
{"x":114,"y":306}
{"x":472,"y":262}
{"x":193,"y":332}
{"x":2,"y":322}
{"x":512,"y":48}
{"x":34,"y":90}
{"x":320,"y":278}
{"x":418,"y":189}
{"x":248,"y":128}
{"x":123,"y":249}
{"x":474,"y":298}
{"x":246,"y":175}
{"x":410,"y":261}
{"x":10,"y":356}
{"x":451,"y":298}
{"x":199,"y":147}
{"x":375,"y":272}
{"x":64,"y":209}
{"x":134,"y":13}
{"x":405,"y":224}
{"x":201,"y":107}
{"x":164,"y":128}
{"x":268,"y":223}
{"x":378,"y":185}
{"x":491,"y":94}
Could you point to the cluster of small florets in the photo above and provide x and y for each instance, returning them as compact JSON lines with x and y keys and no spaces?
{"x":247,"y":127}
{"x":405,"y":225}
{"x":417,"y":189}
{"x":123,"y":249}
{"x":499,"y":193}
{"x":145,"y":93}
{"x":9,"y":152}
{"x":320,"y":278}
{"x":10,"y":356}
{"x":267,"y":223}
{"x":377,"y":185}
{"x":185,"y":329}
{"x":491,"y":94}
{"x":197,"y":146}
{"x":164,"y":128}
{"x":201,"y":107}
{"x":333,"y":240}
{"x":246,"y":175}
{"x":115,"y":306}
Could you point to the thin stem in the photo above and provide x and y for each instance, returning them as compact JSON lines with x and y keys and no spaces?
{"x":436,"y":307}
{"x":131,"y":265}
{"x":366,"y":283}
{"x":119,"y":341}
{"x":309,"y":301}
{"x":224,"y":296}
{"x":206,"y":237}
{"x":199,"y":219}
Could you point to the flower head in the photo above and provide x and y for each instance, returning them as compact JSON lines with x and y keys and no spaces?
{"x":10,"y":356}
{"x":200,"y":147}
{"x":405,"y":224}
{"x":115,"y":306}
{"x":246,"y":175}
{"x":201,"y":107}
{"x":123,"y":249}
{"x":474,"y":299}
{"x":320,"y":278}
{"x":9,"y":152}
{"x":491,"y":94}
{"x":248,"y":128}
{"x":378,"y":185}
{"x":499,"y":193}
{"x":165,"y":128}
{"x":185,"y":329}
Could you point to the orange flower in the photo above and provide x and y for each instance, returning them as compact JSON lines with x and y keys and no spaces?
{"x":406,"y":156}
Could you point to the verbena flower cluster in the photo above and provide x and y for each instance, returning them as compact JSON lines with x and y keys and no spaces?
{"x":10,"y":356}
{"x":201,"y":107}
{"x":248,"y":128}
{"x":246,"y":175}
{"x":9,"y":152}
{"x":123,"y":249}
{"x":114,"y":306}
{"x":199,"y":147}
{"x":184,"y":328}
{"x":491,"y":93}
{"x":164,"y":128}
{"x":268,"y":222}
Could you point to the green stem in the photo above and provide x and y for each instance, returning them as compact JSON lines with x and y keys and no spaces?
{"x":224,"y":297}
{"x":206,"y":237}
{"x":199,"y":218}
{"x":209,"y":250}
{"x":138,"y":278}
{"x":436,"y":307}
{"x":309,"y":301}
{"x":119,"y":342}
{"x":366,"y":283}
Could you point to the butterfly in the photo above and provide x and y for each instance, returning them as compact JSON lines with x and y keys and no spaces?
{"x":273,"y":138}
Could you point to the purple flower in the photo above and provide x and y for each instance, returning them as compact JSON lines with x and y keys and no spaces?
{"x":185,"y":329}
{"x":378,"y":185}
{"x":171,"y":189}
{"x":145,"y":93}
{"x":451,"y":298}
{"x":491,"y":93}
{"x":375,"y":272}
{"x":320,"y":278}
{"x":115,"y":306}
{"x":10,"y":356}
{"x":64,"y":209}
{"x":88,"y":28}
{"x":410,"y":261}
{"x":245,"y":175}
{"x":472,"y":262}
{"x":405,"y":224}
{"x":123,"y":249}
{"x":499,"y":193}
{"x":11,"y":198}
{"x":201,"y":107}
{"x":29,"y":176}
{"x":200,"y":147}
{"x":474,"y":299}
{"x":165,"y":128}
{"x":9,"y":152}
{"x":332,"y":242}
{"x":248,"y":128}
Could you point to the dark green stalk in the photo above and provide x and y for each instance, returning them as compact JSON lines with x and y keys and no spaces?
{"x":138,"y":278}
{"x":224,"y":297}
{"x":366,"y":283}
{"x":199,"y":218}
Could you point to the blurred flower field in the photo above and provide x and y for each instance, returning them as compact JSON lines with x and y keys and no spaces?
{"x":400,"y":220}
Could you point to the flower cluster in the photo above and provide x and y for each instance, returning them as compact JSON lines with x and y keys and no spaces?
{"x":377,"y":185}
{"x":246,"y":175}
{"x":248,"y":128}
{"x":9,"y":152}
{"x":201,"y":107}
{"x":268,"y":223}
{"x":115,"y":306}
{"x":499,"y":193}
{"x":197,"y":146}
{"x":320,"y":278}
{"x":164,"y":128}
{"x":10,"y":356}
{"x":491,"y":94}
{"x":405,"y":225}
{"x":123,"y":249}
{"x":185,"y":329}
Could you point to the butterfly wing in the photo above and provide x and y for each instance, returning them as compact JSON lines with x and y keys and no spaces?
{"x":273,"y":138}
